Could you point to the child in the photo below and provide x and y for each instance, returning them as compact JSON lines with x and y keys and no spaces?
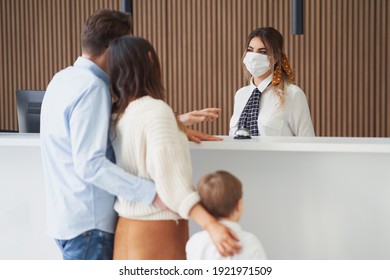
{"x":221,"y":195}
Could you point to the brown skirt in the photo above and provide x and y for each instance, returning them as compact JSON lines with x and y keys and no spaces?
{"x":150,"y":240}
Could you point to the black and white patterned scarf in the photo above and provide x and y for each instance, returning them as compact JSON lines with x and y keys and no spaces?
{"x":250,"y":114}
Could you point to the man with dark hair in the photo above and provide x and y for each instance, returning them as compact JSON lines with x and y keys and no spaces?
{"x":221,"y":195}
{"x":81,"y":182}
{"x":80,"y":176}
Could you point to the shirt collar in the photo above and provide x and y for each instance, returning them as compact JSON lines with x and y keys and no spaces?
{"x":263,"y":85}
{"x":83,"y":62}
{"x":232,"y":225}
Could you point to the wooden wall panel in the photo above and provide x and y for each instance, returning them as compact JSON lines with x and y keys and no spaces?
{"x":341,"y":62}
{"x":38,"y":38}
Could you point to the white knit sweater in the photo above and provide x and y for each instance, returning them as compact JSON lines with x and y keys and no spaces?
{"x":148,"y":143}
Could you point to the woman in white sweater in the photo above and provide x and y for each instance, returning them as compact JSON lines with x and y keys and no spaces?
{"x":149,"y":142}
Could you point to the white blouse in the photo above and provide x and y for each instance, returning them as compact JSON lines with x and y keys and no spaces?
{"x":290,"y":119}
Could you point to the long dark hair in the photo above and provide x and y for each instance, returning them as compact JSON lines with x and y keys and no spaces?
{"x":134,"y":69}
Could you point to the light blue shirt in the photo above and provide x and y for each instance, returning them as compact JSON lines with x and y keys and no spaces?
{"x":81,"y":182}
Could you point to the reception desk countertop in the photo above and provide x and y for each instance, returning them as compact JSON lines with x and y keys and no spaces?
{"x":19,"y":139}
{"x":301,"y":144}
{"x":293,"y":144}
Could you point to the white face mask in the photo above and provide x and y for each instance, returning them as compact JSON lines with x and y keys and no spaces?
{"x":256,"y":63}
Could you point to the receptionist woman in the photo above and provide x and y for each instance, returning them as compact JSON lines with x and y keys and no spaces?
{"x":271,"y":105}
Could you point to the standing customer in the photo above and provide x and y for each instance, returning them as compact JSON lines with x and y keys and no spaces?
{"x":81,"y":182}
{"x":271,"y":105}
{"x":149,"y":142}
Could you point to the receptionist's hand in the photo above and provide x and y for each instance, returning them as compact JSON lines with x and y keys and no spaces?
{"x":197,"y":116}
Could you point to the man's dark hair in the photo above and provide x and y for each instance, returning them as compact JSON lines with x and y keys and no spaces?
{"x":102,"y":27}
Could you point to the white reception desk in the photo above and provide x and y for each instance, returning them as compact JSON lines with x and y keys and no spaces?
{"x":305,"y":198}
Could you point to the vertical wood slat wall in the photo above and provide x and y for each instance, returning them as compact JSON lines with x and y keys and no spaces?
{"x":341,"y":61}
{"x":38,"y":38}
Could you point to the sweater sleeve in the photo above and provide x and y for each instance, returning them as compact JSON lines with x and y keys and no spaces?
{"x":168,"y":160}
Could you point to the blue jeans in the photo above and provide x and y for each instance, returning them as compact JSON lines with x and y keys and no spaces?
{"x":90,"y":245}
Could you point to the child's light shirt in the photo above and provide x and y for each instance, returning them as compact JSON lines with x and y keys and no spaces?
{"x":201,"y":247}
